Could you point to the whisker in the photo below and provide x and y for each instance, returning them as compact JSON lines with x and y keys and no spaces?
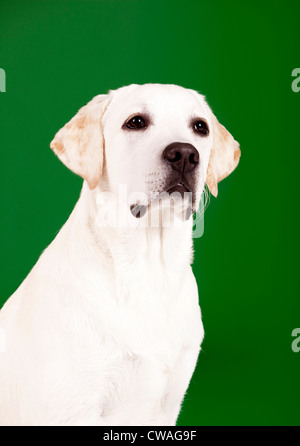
{"x":204,"y":202}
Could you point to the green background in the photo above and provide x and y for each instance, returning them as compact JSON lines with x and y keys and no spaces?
{"x":59,"y":54}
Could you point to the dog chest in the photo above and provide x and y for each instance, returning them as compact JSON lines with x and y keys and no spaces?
{"x":156,"y":344}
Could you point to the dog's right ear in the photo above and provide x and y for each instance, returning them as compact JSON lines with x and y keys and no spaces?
{"x":80,"y":144}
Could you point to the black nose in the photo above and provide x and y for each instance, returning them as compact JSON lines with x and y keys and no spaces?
{"x":182,"y":156}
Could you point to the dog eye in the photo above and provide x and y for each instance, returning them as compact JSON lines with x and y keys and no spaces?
{"x":201,"y":127}
{"x":136,"y":123}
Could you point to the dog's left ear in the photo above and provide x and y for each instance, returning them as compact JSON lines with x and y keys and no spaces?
{"x":224,"y":157}
{"x":80,"y":144}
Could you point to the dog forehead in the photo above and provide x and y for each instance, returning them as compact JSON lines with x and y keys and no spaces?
{"x":155,"y":98}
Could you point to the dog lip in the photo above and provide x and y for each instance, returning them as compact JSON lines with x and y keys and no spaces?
{"x":178,"y":187}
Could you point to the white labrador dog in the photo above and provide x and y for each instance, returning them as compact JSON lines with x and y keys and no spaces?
{"x":106,"y":329}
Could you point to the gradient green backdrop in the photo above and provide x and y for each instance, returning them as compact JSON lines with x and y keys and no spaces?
{"x":59,"y":54}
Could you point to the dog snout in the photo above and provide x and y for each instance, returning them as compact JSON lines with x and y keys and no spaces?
{"x":181,"y":156}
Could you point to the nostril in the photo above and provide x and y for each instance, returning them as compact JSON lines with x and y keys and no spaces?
{"x":177,"y":156}
{"x":194,"y":158}
{"x":172,"y":155}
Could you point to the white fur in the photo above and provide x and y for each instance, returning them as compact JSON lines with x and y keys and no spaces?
{"x":106,"y":329}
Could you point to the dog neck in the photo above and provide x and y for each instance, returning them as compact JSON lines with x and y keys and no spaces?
{"x":128,"y":252}
{"x":132,"y":239}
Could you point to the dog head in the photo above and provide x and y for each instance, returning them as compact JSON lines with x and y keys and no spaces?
{"x":153,"y":138}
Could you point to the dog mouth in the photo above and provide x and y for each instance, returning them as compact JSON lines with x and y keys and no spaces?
{"x":178,"y":193}
{"x":179,"y":188}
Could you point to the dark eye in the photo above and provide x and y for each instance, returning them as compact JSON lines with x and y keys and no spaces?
{"x":201,"y":127}
{"x":136,"y":123}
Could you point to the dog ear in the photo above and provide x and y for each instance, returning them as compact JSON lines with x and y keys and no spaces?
{"x":224,"y":156}
{"x":80,"y":143}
